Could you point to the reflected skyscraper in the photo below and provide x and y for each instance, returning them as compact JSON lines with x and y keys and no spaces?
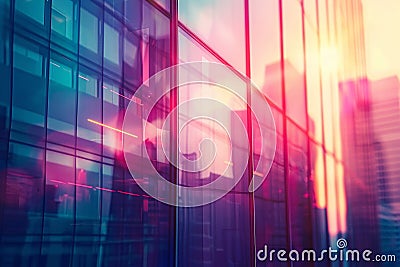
{"x":370,"y":140}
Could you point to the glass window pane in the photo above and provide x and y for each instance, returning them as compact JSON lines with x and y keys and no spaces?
{"x":88,"y":191}
{"x":270,"y":202}
{"x":5,"y":71}
{"x":60,"y":193}
{"x":111,"y":93}
{"x":300,"y":203}
{"x":89,"y":111}
{"x":24,"y":190}
{"x":164,"y":3}
{"x":89,"y":30}
{"x":28,"y":80}
{"x":87,"y":84}
{"x":112,"y":117}
{"x":220,"y":24}
{"x":60,"y":73}
{"x":59,"y":209}
{"x":265,"y":48}
{"x":319,"y":195}
{"x":32,"y":8}
{"x":132,"y":57}
{"x":314,"y":99}
{"x":22,"y":204}
{"x":332,"y":200}
{"x":62,"y":17}
{"x":27,"y":57}
{"x":111,"y":44}
{"x":294,"y":62}
{"x":216,"y":218}
{"x":62,"y":101}
{"x":190,"y":51}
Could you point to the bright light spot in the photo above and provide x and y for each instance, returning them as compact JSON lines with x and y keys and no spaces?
{"x":329,"y":59}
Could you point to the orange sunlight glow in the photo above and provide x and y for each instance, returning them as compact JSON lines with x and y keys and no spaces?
{"x":329,"y":59}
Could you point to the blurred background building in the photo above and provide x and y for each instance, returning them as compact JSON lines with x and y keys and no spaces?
{"x":69,"y":69}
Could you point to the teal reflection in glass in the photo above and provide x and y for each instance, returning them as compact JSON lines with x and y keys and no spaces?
{"x":60,"y":73}
{"x":89,"y":31}
{"x":87,"y":84}
{"x":61,"y":101}
{"x":62,"y":17}
{"x":32,"y":8}
{"x":111,"y":44}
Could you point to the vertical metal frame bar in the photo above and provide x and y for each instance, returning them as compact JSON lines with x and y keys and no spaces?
{"x":308,"y":152}
{"x":322,"y":119}
{"x":47,"y":20}
{"x":174,"y":95}
{"x":285,"y":136}
{"x":75,"y":77}
{"x":250,"y":167}
{"x":3,"y":176}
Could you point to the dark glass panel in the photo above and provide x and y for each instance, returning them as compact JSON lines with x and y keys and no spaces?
{"x":89,"y":111}
{"x":62,"y":101}
{"x":28,"y":80}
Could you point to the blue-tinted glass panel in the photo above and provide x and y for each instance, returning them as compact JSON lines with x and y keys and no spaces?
{"x":28,"y":80}
{"x":24,"y":190}
{"x":60,"y":193}
{"x":113,"y":114}
{"x":111,"y":44}
{"x":60,"y":73}
{"x":59,"y":209}
{"x":5,"y":76}
{"x":106,"y":196}
{"x":27,"y":57}
{"x":116,"y":6}
{"x":61,"y":101}
{"x":89,"y":30}
{"x":23,"y":206}
{"x":88,"y":191}
{"x":88,"y":84}
{"x":4,"y":32}
{"x":89,"y":111}
{"x":111,"y":93}
{"x":32,"y":8}
{"x":62,"y":17}
{"x":132,"y":57}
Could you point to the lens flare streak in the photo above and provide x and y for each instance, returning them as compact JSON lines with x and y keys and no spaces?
{"x":111,"y":128}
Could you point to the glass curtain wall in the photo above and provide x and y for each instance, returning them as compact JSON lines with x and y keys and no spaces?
{"x":69,"y":70}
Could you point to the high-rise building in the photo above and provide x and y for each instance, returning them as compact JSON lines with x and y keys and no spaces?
{"x":370,"y":147}
{"x":385,"y":109}
{"x":360,"y":175}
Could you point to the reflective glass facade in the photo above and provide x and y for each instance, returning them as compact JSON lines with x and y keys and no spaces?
{"x":69,"y":68}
